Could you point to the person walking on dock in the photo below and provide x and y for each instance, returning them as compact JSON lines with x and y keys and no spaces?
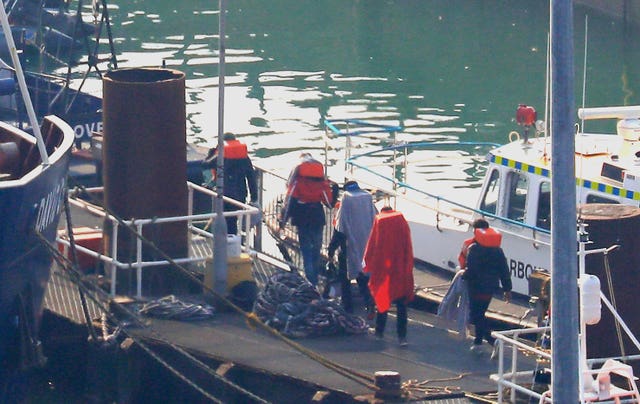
{"x":486,"y":270}
{"x":308,"y":189}
{"x":464,"y":251}
{"x":351,"y":233}
{"x":388,"y":258}
{"x":239,"y":176}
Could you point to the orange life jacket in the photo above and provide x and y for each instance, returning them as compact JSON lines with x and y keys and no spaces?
{"x":310,"y":184}
{"x":487,"y":237}
{"x":233,"y":150}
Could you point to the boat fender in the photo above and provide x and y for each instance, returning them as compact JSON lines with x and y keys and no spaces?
{"x":590,"y":303}
{"x":7,"y":86}
{"x":488,"y":237}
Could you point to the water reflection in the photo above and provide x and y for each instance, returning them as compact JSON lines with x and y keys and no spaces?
{"x":443,"y":69}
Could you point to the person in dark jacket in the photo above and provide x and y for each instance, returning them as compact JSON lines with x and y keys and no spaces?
{"x":486,"y":271}
{"x":239,"y":176}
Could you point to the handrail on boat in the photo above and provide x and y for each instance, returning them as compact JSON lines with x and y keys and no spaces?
{"x":379,"y":128}
{"x":401,"y":184}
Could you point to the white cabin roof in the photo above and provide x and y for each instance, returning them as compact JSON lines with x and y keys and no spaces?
{"x":603,"y":162}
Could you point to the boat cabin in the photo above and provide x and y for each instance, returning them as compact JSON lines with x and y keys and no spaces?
{"x":517,"y":185}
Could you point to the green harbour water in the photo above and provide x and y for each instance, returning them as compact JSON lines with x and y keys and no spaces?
{"x":443,"y":69}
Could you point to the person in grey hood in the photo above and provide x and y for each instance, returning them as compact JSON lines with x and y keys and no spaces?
{"x":353,"y":225}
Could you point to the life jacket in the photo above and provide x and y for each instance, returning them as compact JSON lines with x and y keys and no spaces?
{"x":487,"y":237}
{"x":310,"y":184}
{"x":233,"y":150}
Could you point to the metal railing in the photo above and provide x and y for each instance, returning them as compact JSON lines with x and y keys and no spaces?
{"x":112,"y":263}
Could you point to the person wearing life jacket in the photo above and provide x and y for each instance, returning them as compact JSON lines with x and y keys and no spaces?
{"x":487,"y":272}
{"x":308,"y":190}
{"x":462,"y":257}
{"x":239,"y":176}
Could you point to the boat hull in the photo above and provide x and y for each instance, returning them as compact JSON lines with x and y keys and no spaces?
{"x":30,"y":208}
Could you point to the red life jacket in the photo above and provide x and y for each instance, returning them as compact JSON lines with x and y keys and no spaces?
{"x":488,"y":237}
{"x":233,"y":150}
{"x":310,"y":184}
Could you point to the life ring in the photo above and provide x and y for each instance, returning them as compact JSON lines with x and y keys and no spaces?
{"x":514,"y":136}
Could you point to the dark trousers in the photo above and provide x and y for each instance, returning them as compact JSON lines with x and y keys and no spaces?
{"x":478,"y":305}
{"x":401,"y":321}
{"x":363,"y":287}
{"x":345,"y":283}
{"x":232,"y":221}
{"x":310,"y":239}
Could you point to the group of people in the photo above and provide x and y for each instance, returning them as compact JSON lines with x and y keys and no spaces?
{"x":374,"y":248}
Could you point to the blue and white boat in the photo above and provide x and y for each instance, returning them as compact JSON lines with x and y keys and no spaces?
{"x":441,"y":187}
{"x":33,"y":184}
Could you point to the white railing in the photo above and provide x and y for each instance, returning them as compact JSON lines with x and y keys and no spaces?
{"x":519,"y":378}
{"x":110,"y":258}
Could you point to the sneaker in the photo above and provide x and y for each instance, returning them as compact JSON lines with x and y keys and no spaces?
{"x":476,"y":347}
{"x":378,"y":335}
{"x":402,"y":342}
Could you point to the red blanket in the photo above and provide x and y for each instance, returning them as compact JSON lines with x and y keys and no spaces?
{"x":388,"y":258}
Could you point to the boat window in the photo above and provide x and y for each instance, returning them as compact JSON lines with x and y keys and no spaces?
{"x":592,"y":198}
{"x":490,"y":199}
{"x":543,"y":218}
{"x":517,"y":198}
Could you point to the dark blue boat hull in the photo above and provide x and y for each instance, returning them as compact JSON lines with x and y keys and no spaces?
{"x":29,"y":212}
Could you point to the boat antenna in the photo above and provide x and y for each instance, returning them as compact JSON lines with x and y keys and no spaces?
{"x":219,"y":223}
{"x":547,"y":92}
{"x":584,"y":68}
{"x":6,"y":29}
{"x":584,"y":95}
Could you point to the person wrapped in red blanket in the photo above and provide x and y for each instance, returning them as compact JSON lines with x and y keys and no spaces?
{"x":388,"y":258}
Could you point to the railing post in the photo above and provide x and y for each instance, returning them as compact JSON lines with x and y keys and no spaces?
{"x":139,"y":261}
{"x":114,"y":255}
{"x":189,"y":212}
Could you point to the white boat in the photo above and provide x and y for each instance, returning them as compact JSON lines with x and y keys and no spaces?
{"x":514,"y":195}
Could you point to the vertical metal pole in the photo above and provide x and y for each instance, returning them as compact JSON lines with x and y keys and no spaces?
{"x":219,"y":223}
{"x":35,"y":126}
{"x":564,"y":279}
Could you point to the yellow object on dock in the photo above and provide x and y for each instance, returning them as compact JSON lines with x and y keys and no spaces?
{"x":239,"y":269}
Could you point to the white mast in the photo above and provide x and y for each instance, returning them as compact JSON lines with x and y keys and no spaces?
{"x":6,"y":28}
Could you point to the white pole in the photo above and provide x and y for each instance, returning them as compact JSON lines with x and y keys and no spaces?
{"x":6,"y":28}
